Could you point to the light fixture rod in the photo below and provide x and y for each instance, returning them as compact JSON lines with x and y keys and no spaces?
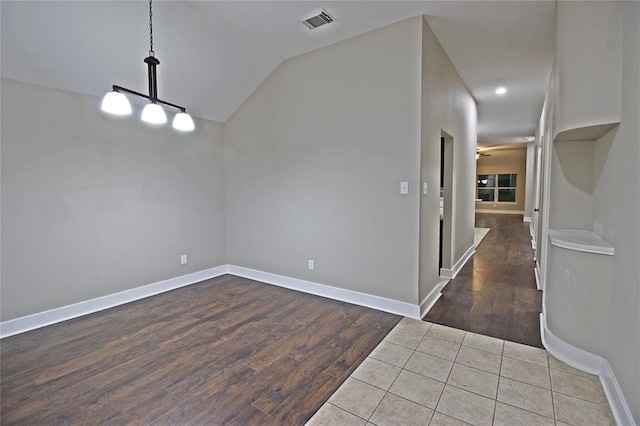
{"x":160,"y":101}
{"x":152,"y":62}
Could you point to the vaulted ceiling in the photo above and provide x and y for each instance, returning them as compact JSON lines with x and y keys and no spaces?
{"x":214,"y":54}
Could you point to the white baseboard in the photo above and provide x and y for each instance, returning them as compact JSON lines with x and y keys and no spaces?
{"x":617,"y":402}
{"x":592,"y":364}
{"x":453,"y":272}
{"x":64,"y":313}
{"x":537,"y":275}
{"x":527,"y":219}
{"x":350,"y":296}
{"x":575,"y":357}
{"x":431,"y":299}
{"x":499,"y":211}
{"x":42,"y":319}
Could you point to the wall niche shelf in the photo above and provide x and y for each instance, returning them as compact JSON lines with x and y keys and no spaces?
{"x":587,"y":133}
{"x":580,"y":240}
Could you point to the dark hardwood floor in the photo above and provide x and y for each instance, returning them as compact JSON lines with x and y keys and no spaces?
{"x":495,"y":292}
{"x":225,"y":351}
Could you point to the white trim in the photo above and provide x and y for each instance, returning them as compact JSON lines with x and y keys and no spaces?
{"x":350,"y":296}
{"x":590,"y":363}
{"x":64,"y":313}
{"x":431,"y":299}
{"x":500,"y":211}
{"x":575,"y":357}
{"x":580,"y":240}
{"x":540,"y":284}
{"x":526,"y":219}
{"x":453,"y":272}
{"x":617,"y":402}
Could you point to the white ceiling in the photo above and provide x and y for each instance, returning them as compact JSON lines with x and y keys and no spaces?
{"x":214,"y":54}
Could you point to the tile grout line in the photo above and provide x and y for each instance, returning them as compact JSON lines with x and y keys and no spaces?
{"x":446,"y":383}
{"x":341,"y":409}
{"x":394,"y":380}
{"x":528,"y":411}
{"x":520,"y":408}
{"x":495,"y":401}
{"x":581,"y":399}
{"x":414,"y":351}
{"x":553,"y":399}
{"x":435,"y":406}
{"x":435,"y":410}
{"x":575,"y":396}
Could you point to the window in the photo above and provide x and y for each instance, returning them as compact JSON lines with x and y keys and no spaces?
{"x":486,"y":187}
{"x":497,"y":187}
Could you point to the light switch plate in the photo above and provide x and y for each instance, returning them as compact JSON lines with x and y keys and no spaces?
{"x":404,"y":188}
{"x":425,"y":188}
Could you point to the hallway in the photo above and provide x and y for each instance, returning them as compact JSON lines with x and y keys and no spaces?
{"x":495,"y":292}
{"x":446,"y":369}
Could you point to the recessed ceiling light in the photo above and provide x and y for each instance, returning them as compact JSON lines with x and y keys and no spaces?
{"x":501,"y":90}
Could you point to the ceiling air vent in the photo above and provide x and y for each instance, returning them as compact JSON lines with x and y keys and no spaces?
{"x":318,"y":19}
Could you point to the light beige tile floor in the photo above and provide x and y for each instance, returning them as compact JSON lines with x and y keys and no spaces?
{"x":428,"y":374}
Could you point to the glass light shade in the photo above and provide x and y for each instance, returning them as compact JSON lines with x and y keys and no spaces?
{"x":183,"y":121}
{"x":116,"y":103}
{"x":154,"y":114}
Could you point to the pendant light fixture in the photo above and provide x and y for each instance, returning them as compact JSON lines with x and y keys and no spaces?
{"x":116,"y":102}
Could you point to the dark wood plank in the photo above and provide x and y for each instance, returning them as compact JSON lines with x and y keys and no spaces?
{"x":495,"y":292}
{"x":299,"y":408}
{"x":224,"y":351}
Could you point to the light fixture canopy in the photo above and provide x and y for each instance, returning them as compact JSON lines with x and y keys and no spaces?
{"x":116,"y":102}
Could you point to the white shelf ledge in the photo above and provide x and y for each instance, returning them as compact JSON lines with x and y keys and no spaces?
{"x":586,"y":133}
{"x":580,"y":240}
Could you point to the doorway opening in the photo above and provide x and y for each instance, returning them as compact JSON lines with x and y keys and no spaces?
{"x":446,"y":201}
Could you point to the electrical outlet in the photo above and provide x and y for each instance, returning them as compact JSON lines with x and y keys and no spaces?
{"x":183,"y":259}
{"x":311,"y":265}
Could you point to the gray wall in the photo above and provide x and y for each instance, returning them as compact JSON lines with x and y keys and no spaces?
{"x":311,"y":169}
{"x":314,"y":162}
{"x":616,"y":216}
{"x":446,"y":106}
{"x":316,"y":155}
{"x":595,"y":185}
{"x":93,"y":204}
{"x":570,"y":193}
